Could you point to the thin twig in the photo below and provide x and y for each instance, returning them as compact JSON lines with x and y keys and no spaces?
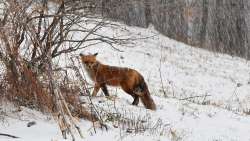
{"x":191,"y":97}
{"x":8,"y":135}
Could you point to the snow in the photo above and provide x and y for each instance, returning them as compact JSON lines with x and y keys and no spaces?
{"x":186,"y":71}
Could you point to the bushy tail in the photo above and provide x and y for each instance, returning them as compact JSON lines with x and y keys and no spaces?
{"x":145,"y":97}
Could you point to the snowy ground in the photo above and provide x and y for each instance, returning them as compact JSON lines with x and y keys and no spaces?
{"x":186,"y":72}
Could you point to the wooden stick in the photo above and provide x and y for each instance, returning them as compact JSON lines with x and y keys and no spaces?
{"x":8,"y":135}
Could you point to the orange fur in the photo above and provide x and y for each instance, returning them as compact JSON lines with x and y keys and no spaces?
{"x":131,"y":81}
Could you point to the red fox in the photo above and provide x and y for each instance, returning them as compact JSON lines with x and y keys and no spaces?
{"x":131,"y":81}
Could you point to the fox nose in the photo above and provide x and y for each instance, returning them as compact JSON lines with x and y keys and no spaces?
{"x":81,"y":54}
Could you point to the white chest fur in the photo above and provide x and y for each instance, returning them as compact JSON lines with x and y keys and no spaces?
{"x":90,"y":72}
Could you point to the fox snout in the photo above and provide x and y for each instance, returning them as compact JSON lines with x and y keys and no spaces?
{"x":87,"y":64}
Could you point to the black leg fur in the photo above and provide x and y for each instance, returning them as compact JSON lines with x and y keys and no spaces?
{"x":136,"y":100}
{"x":105,"y":90}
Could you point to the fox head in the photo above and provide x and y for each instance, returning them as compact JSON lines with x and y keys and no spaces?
{"x":88,"y":60}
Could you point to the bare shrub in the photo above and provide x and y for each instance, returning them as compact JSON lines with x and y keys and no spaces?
{"x":28,"y":91}
{"x":33,"y":34}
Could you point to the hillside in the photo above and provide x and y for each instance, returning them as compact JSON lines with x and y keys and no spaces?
{"x":200,"y":95}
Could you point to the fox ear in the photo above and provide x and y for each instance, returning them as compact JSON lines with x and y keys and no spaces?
{"x":95,"y":54}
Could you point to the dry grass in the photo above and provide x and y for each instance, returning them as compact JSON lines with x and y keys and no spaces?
{"x":28,"y":91}
{"x":34,"y":92}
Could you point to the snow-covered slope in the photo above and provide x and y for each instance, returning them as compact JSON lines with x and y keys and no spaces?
{"x":175,"y":72}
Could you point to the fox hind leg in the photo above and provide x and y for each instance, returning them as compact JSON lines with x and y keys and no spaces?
{"x":129,"y":91}
{"x":136,"y":100}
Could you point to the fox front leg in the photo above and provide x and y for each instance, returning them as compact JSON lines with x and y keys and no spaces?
{"x":105,"y":90}
{"x":96,"y":89}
